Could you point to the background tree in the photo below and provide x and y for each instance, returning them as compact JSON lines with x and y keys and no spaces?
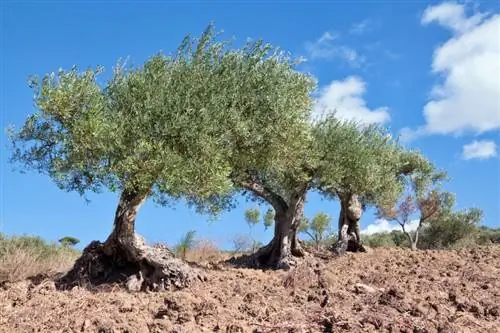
{"x":173,"y":128}
{"x":422,"y":200}
{"x":242,"y":243}
{"x":187,"y":242}
{"x":252,"y":217}
{"x":450,"y":228}
{"x":273,"y":168}
{"x":269,"y":218}
{"x":358,"y":165}
{"x":68,"y":241}
{"x":317,"y":229}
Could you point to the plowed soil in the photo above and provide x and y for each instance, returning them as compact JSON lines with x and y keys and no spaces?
{"x":385,"y":290}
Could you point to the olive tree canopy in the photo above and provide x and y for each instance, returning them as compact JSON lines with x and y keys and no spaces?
{"x":175,"y":127}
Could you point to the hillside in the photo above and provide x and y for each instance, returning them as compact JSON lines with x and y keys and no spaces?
{"x":391,"y":290}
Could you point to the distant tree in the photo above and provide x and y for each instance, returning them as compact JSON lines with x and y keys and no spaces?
{"x":269,"y":218}
{"x":399,"y":238}
{"x":252,"y":217}
{"x":449,"y":228}
{"x":186,"y":243}
{"x":422,"y":200}
{"x":379,"y":239}
{"x":69,"y":241}
{"x":242,"y":243}
{"x":359,"y":167}
{"x":317,"y":228}
{"x":487,"y":235}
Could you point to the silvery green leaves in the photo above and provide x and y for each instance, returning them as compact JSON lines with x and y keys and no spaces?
{"x":174,"y":127}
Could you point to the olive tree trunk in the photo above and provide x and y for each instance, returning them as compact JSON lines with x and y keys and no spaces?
{"x":284,"y":246}
{"x":349,"y":238}
{"x":126,"y":259}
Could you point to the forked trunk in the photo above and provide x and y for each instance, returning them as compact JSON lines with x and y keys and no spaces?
{"x":413,"y":240}
{"x":349,"y":238}
{"x":126,"y":259}
{"x":281,"y":250}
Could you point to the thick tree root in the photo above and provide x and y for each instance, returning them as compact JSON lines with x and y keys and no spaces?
{"x":136,"y":266}
{"x":269,"y":257}
{"x":347,"y":245}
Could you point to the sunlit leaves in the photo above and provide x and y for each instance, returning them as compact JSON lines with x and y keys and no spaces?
{"x":174,"y":127}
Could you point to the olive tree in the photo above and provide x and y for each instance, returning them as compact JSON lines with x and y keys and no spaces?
{"x":272,"y":164}
{"x":173,"y":128}
{"x":317,"y":229}
{"x":358,"y":166}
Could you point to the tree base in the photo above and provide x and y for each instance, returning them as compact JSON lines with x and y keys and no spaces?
{"x":271,"y":256}
{"x":135,"y":266}
{"x":350,"y":245}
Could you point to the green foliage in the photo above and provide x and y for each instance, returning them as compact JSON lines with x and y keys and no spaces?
{"x":317,"y":229}
{"x":379,"y":239}
{"x":399,"y":238}
{"x":252,"y":216}
{"x":269,"y":218}
{"x":356,"y":159}
{"x":186,"y":243}
{"x":451,"y":228}
{"x":488,"y":235}
{"x":173,"y":128}
{"x":31,"y":243}
{"x":68,"y":241}
{"x":395,"y":238}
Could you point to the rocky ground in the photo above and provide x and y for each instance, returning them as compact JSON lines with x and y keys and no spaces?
{"x":387,"y":290}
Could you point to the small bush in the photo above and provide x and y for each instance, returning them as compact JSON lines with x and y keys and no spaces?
{"x":203,"y":252}
{"x":381,"y":239}
{"x":25,"y":256}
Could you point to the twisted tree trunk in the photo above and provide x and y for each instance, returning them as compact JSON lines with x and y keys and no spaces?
{"x":126,"y":259}
{"x":349,"y":238}
{"x":284,"y":246}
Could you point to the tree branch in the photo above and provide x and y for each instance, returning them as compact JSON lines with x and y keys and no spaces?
{"x":265,"y":193}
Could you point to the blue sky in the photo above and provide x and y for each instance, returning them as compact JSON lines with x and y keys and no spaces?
{"x":430,"y":71}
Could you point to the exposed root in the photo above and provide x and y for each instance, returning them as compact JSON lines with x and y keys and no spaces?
{"x":347,"y":245}
{"x":135,"y":266}
{"x":269,"y":257}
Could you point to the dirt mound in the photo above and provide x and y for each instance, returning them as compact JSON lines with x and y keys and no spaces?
{"x":388,"y":290}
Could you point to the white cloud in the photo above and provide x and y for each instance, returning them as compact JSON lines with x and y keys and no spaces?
{"x":325,"y":47}
{"x":346,"y":99}
{"x":382,"y":225}
{"x":467,"y":99}
{"x":452,"y":16}
{"x":479,"y":150}
{"x":360,"y":27}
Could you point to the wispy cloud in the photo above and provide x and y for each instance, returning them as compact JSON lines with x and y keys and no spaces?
{"x":481,"y":150}
{"x":328,"y":47}
{"x":360,"y":28}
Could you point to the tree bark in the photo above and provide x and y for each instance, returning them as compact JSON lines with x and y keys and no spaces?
{"x":126,"y":259}
{"x":279,"y":253}
{"x":413,"y":240}
{"x":284,"y":246}
{"x":349,"y":238}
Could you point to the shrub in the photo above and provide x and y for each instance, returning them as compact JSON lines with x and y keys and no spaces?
{"x":25,"y":256}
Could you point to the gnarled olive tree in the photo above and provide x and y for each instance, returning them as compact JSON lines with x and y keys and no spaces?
{"x":174,"y":128}
{"x":358,"y":165}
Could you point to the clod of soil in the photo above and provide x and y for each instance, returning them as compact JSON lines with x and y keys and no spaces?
{"x":386,"y":290}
